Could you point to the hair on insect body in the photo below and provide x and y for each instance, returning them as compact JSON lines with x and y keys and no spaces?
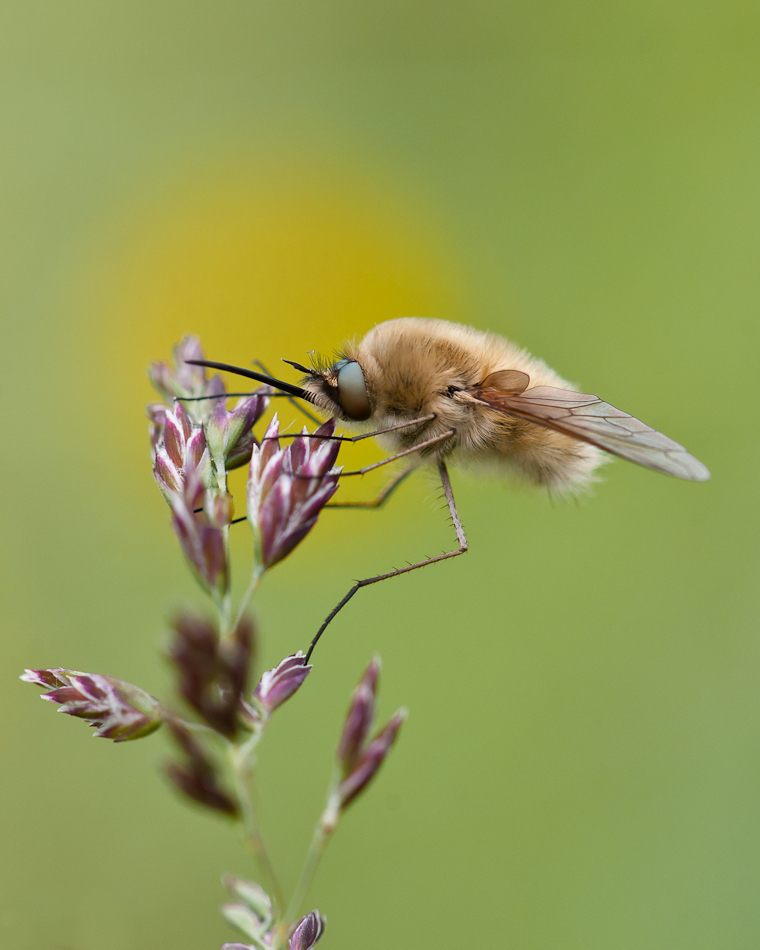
{"x":438,"y":392}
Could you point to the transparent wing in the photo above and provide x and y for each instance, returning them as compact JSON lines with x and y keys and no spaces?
{"x":588,"y":418}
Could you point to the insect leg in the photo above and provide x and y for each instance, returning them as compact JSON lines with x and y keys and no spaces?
{"x":399,"y":425}
{"x":394,"y":482}
{"x":350,"y":438}
{"x":434,"y":440}
{"x":382,"y":497}
{"x":461,"y":549}
{"x":377,"y":502}
{"x":392,"y":458}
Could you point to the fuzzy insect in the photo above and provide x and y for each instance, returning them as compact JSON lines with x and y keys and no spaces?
{"x":440,"y":392}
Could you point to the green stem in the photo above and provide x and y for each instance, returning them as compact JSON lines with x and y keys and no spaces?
{"x":243,"y":788}
{"x":318,"y":844}
{"x":316,"y":850}
{"x":241,"y":755}
{"x":256,"y":576}
{"x":223,"y":601}
{"x":223,"y":604}
{"x":197,"y":727}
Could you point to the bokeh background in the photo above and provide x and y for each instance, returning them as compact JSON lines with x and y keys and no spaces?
{"x":581,"y":766}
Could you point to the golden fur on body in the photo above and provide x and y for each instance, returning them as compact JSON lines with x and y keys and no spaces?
{"x":416,"y":366}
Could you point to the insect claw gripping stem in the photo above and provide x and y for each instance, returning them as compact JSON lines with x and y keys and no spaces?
{"x":461,"y":549}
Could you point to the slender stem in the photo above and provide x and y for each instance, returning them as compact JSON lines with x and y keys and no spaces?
{"x":224,"y":603}
{"x":243,"y":787}
{"x":316,"y":849}
{"x":240,"y":756}
{"x":224,"y":606}
{"x":245,"y":749}
{"x":197,"y":727}
{"x":258,"y":573}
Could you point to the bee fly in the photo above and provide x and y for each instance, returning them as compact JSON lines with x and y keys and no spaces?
{"x":438,"y":392}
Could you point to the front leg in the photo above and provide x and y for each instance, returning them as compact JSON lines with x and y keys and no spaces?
{"x":377,"y":502}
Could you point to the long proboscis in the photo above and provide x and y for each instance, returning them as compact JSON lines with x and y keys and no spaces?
{"x":259,"y":377}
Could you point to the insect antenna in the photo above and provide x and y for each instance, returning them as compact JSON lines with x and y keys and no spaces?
{"x":290,"y":398}
{"x":299,"y":366}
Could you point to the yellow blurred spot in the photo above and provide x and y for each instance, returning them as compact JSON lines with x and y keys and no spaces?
{"x":261,"y":265}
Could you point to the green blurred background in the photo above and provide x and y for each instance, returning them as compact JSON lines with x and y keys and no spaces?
{"x":581,"y":766}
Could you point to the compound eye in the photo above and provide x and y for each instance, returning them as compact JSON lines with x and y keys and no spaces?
{"x":352,"y":391}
